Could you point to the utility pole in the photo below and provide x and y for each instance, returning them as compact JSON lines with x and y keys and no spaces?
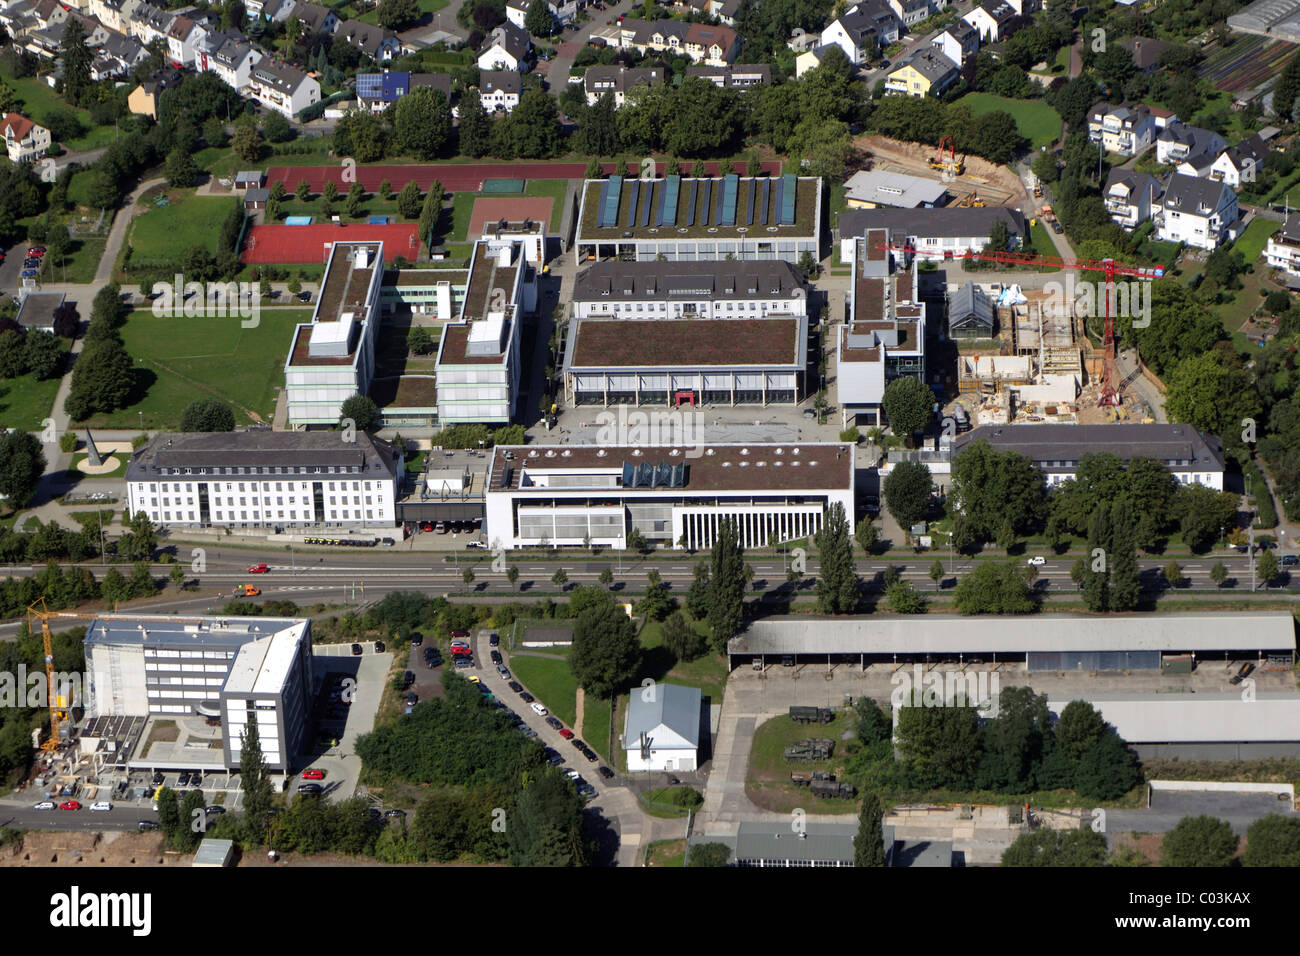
{"x":1251,"y":531}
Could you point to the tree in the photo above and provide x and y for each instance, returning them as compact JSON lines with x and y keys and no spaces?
{"x":697,"y":596}
{"x":837,"y":580}
{"x":22,"y":462}
{"x":1200,"y":841}
{"x":182,"y":171}
{"x":1078,"y":729}
{"x":1218,"y":574}
{"x":475,"y":125}
{"x":247,"y":143}
{"x":102,"y":192}
{"x":397,"y":15}
{"x":708,"y":854}
{"x":606,"y":651}
{"x":869,"y":843}
{"x":1203,"y":514}
{"x":408,"y":202}
{"x":636,"y":541}
{"x":560,"y":579}
{"x":1173,"y":573}
{"x":936,"y":572}
{"x":77,"y":58}
{"x":1273,"y":840}
{"x":1107,"y":770}
{"x":908,"y":404}
{"x":362,"y":410}
{"x":903,"y":598}
{"x":430,"y":211}
{"x":41,"y":354}
{"x":255,"y":781}
{"x":1268,"y":568}
{"x":994,"y":489}
{"x":330,"y":191}
{"x":176,"y":575}
{"x":422,"y":121}
{"x":532,"y":130}
{"x":867,"y":534}
{"x":606,"y":576}
{"x":467,"y":576}
{"x":598,"y":129}
{"x":67,"y":322}
{"x":276,"y":128}
{"x":907,"y":492}
{"x":994,"y":587}
{"x":512,"y":574}
{"x":1096,"y":586}
{"x":208,"y":415}
{"x":303,"y":191}
{"x":169,"y":813}
{"x":1050,"y":847}
{"x":682,"y":639}
{"x":419,"y":340}
{"x":1125,"y":586}
{"x":726,"y":601}
{"x":538,"y":20}
{"x":938,"y":746}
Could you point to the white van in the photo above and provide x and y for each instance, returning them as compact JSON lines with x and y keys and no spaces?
{"x":101,"y":805}
{"x":538,"y":709}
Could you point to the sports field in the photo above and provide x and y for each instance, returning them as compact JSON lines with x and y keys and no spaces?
{"x":179,"y":360}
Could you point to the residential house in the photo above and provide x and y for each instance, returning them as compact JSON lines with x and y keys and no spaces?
{"x":700,"y":42}
{"x":114,"y":14}
{"x":811,"y":59}
{"x":859,"y":25}
{"x":48,"y":41}
{"x":725,"y":10}
{"x":19,"y":18}
{"x":1124,"y":129}
{"x":739,"y":77}
{"x":910,"y":12}
{"x":938,"y":233}
{"x":183,"y":39}
{"x":1025,"y":8}
{"x":36,"y":312}
{"x":117,"y":57}
{"x":1283,"y":249}
{"x":994,"y":20}
{"x":49,"y":12}
{"x":143,"y":100}
{"x":617,"y":81}
{"x":233,"y":61}
{"x":517,"y":12}
{"x":1146,"y":51}
{"x":1241,"y":163}
{"x":959,"y":42}
{"x":924,"y":73}
{"x":508,"y":48}
{"x":1131,"y":197}
{"x":149,"y":23}
{"x":1198,"y":212}
{"x":283,"y":88}
{"x":1179,"y":142}
{"x":499,"y":90}
{"x":374,"y":41}
{"x":314,"y":18}
{"x":25,"y":142}
{"x":272,"y":11}
{"x":377,"y":91}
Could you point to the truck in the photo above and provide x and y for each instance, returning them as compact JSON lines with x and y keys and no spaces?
{"x":246,"y":590}
{"x":830,"y":789}
{"x":811,"y":715}
{"x":814,"y":749}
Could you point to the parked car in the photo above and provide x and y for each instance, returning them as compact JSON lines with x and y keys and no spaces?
{"x":566,"y":733}
{"x":555,"y":722}
{"x":304,"y":296}
{"x":215,"y":810}
{"x":538,"y":709}
{"x":146,"y":825}
{"x":394,"y":814}
{"x":416,"y":638}
{"x":496,"y":657}
{"x":313,"y":775}
{"x":1289,"y":560}
{"x":69,"y":805}
{"x":412,"y":699}
{"x":184,"y":779}
{"x":501,"y":669}
{"x":526,"y":697}
{"x":494,"y":639}
{"x":463,"y":663}
{"x":356,"y":650}
{"x":311,"y":789}
{"x":379,"y":647}
{"x":515,"y":686}
{"x":605,"y":772}
{"x":45,"y":805}
{"x":28,"y":273}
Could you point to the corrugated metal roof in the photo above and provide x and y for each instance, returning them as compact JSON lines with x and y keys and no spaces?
{"x":674,"y":706}
{"x":1196,"y":718}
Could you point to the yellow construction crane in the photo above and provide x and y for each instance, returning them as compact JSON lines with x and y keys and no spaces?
{"x":58,"y":706}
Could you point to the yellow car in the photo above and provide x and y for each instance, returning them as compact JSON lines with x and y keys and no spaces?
{"x":474,"y":680}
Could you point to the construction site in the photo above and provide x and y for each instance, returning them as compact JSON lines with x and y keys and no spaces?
{"x":1045,"y":369}
{"x":970,"y":180}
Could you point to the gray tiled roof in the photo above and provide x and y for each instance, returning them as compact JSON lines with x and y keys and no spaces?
{"x":299,"y":451}
{"x":1052,"y":442}
{"x":674,"y":706}
{"x":656,"y":280}
{"x":945,"y":222}
{"x":1194,"y":194}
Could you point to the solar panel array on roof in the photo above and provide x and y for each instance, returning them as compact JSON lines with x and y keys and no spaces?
{"x":767,"y":195}
{"x":705,"y":205}
{"x":690,"y":207}
{"x":646,"y":475}
{"x":749,"y":204}
{"x":778,"y":200}
{"x":730,"y":191}
{"x":610,"y":194}
{"x":370,"y":86}
{"x":668,"y":201}
{"x":789,"y":185}
{"x":646,"y":203}
{"x":635,"y":191}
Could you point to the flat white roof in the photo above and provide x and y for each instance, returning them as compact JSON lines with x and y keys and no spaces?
{"x":990,"y":634}
{"x":1197,"y":718}
{"x":262,"y":666}
{"x":893,"y":189}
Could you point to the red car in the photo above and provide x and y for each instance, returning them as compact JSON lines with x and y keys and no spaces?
{"x":461,"y":635}
{"x":258,"y":569}
{"x":36,"y":251}
{"x":70,"y":805}
{"x":313,"y":775}
{"x":426,"y":525}
{"x":566,"y":733}
{"x":460,"y":650}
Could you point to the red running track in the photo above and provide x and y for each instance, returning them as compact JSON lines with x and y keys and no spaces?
{"x":455,"y":177}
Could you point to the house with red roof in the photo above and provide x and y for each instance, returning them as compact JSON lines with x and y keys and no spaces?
{"x":24,"y":140}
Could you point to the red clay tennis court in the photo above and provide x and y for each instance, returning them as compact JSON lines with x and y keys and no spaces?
{"x":307,"y":244}
{"x":455,"y":177}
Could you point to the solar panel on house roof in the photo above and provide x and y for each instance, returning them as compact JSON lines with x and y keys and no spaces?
{"x":370,"y":86}
{"x":635,"y":190}
{"x":730,"y":191}
{"x":788,"y":186}
{"x":668,"y":201}
{"x":767,"y":195}
{"x":610,"y":194}
{"x":749,"y":205}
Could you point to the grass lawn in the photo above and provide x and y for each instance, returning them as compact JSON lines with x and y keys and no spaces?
{"x":39,"y":100}
{"x":188,"y":220}
{"x":767,"y":780}
{"x":595,"y":724}
{"x":708,"y":673}
{"x":550,"y":681}
{"x":80,"y":264}
{"x":25,"y":402}
{"x":426,"y":6}
{"x":667,"y":853}
{"x":1037,"y":122}
{"x":1042,"y":240}
{"x":1251,"y":243}
{"x":210,"y":358}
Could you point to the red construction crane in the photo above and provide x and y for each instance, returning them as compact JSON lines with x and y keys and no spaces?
{"x":1111,"y":268}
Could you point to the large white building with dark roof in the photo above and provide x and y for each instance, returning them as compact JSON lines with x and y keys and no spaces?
{"x":586,"y":495}
{"x":266,"y":480}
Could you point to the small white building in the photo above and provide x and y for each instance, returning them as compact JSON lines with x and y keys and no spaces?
{"x":1199,"y":212}
{"x":1283,"y":249}
{"x":993,"y":21}
{"x":1179,"y":142}
{"x":25,"y":141}
{"x":959,"y":42}
{"x":283,"y":88}
{"x":1131,"y":197}
{"x":508,"y":49}
{"x":853,"y":31}
{"x":663,"y":732}
{"x":499,"y":90}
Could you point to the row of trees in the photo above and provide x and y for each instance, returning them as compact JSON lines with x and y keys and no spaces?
{"x":104,"y":375}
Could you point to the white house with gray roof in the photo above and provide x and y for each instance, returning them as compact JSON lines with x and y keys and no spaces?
{"x":662,"y":729}
{"x":1131,"y":196}
{"x":1179,"y":142}
{"x":1198,"y":212}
